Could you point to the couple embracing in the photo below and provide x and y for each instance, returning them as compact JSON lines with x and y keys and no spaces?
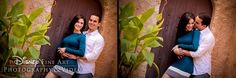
{"x":79,"y":49}
{"x":194,"y":45}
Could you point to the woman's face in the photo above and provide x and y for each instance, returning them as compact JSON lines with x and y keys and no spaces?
{"x":190,"y":25}
{"x":79,"y":24}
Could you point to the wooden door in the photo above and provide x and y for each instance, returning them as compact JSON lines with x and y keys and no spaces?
{"x":63,"y":12}
{"x":172,"y":13}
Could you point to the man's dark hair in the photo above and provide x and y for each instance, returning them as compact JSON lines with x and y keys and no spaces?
{"x":98,"y":15}
{"x":206,"y":19}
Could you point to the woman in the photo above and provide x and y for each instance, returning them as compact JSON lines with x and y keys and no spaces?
{"x":188,"y":39}
{"x":74,"y":43}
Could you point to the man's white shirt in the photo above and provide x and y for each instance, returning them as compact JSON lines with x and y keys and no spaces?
{"x":202,"y":57}
{"x":94,"y":46}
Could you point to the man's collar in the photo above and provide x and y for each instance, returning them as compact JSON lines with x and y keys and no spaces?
{"x":92,"y":33}
{"x":205,"y":30}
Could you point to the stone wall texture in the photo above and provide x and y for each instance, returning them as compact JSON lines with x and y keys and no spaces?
{"x":106,"y":65}
{"x":224,"y":28}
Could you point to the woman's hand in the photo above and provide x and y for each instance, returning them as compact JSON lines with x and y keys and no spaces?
{"x":178,"y":51}
{"x":180,"y":56}
{"x":175,"y":47}
{"x":62,"y":49}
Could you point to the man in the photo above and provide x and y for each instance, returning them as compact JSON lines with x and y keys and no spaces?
{"x":202,"y":57}
{"x":94,"y":46}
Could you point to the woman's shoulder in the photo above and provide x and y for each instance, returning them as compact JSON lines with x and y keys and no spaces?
{"x":81,"y":35}
{"x":196,"y":30}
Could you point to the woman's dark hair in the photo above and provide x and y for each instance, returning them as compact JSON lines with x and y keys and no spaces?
{"x":72,"y":24}
{"x":184,"y":20}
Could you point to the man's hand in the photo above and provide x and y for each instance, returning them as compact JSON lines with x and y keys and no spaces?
{"x":70,"y":56}
{"x":186,"y":53}
{"x":82,"y":58}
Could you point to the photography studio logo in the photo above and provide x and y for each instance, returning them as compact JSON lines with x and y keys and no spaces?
{"x":17,"y":60}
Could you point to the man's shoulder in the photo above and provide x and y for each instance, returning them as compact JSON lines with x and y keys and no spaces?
{"x":99,"y":37}
{"x":209,"y":37}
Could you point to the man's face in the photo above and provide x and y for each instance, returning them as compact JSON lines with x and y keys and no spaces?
{"x":198,"y":22}
{"x":93,"y":22}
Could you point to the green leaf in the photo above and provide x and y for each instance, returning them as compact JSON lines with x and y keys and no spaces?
{"x":156,"y":32}
{"x":47,"y":38}
{"x":137,"y":22}
{"x":35,"y":13}
{"x":160,"y":38}
{"x":133,"y":56}
{"x":39,"y":40}
{"x":127,"y":11}
{"x":42,"y":42}
{"x":154,"y":44}
{"x":40,"y":29}
{"x":46,"y":26}
{"x":25,"y":20}
{"x":151,"y":42}
{"x":3,"y":8}
{"x":38,"y":32}
{"x":16,"y":11}
{"x":147,"y":36}
{"x":19,"y":30}
{"x":147,"y":14}
{"x":4,"y":22}
{"x":48,"y":17}
{"x":131,"y":32}
{"x":149,"y":29}
{"x":32,"y":53}
{"x":124,"y":22}
{"x":149,"y":57}
{"x":128,"y":55}
{"x":140,"y":59}
{"x":159,"y":16}
{"x":17,"y":52}
{"x":20,"y":52}
{"x":149,"y":33}
{"x":12,"y":41}
{"x":124,"y":45}
{"x":14,"y":50}
{"x":157,"y":27}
